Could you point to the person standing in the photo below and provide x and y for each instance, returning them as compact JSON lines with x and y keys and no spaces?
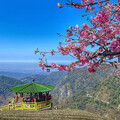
{"x":16,"y":97}
{"x":36,"y":97}
{"x":14,"y":100}
{"x":32,"y":100}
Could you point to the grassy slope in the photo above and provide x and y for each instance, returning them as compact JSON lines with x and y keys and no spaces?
{"x":66,"y":114}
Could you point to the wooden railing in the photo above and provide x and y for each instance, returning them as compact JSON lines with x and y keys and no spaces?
{"x":26,"y":105}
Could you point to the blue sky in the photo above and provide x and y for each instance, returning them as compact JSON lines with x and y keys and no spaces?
{"x":26,"y":25}
{"x":29,"y":24}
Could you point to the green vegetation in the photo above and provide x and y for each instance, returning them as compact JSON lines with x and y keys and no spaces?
{"x":5,"y":84}
{"x":97,"y":93}
{"x":103,"y":97}
{"x":77,"y":81}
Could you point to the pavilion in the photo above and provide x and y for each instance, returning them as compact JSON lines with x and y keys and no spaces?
{"x":31,"y":96}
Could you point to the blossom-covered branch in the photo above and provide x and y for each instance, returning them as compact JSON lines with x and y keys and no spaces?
{"x":102,"y":34}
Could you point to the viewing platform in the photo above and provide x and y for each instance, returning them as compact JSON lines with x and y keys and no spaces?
{"x":28,"y":106}
{"x":32,"y":96}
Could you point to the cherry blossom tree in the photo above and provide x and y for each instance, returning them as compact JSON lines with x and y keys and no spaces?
{"x":103,"y":34}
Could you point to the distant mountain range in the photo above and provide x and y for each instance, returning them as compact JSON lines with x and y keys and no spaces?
{"x":14,"y":74}
{"x":51,"y":79}
{"x":95,"y":92}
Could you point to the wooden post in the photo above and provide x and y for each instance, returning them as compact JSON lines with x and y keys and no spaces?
{"x":35,"y":97}
{"x":21,"y":97}
{"x":40,"y":96}
{"x":45,"y":96}
{"x":30,"y":96}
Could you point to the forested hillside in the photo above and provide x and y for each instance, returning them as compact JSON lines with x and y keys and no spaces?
{"x":102,"y":97}
{"x":5,"y":84}
{"x":79,"y":80}
{"x":98,"y":92}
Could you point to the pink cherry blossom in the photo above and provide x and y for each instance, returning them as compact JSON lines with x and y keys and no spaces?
{"x":53,"y":64}
{"x":115,"y":46}
{"x":102,"y":33}
{"x":52,"y":52}
{"x":43,"y":55}
{"x":117,"y":16}
{"x":68,"y":40}
{"x":77,"y":6}
{"x":48,"y":70}
{"x":43,"y":68}
{"x":67,"y":68}
{"x":76,"y":27}
{"x":90,"y":67}
{"x":58,"y":4}
{"x":91,"y":1}
{"x":69,"y":33}
{"x":60,"y":67}
{"x":40,"y":63}
{"x":70,"y":28}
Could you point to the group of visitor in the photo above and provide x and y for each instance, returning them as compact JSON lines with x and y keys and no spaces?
{"x":35,"y":98}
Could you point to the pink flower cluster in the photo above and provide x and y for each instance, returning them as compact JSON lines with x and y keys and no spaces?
{"x":63,"y":51}
{"x":69,"y":33}
{"x":76,"y":27}
{"x":91,"y":1}
{"x":52,"y":52}
{"x":68,"y":68}
{"x":84,"y":26}
{"x":58,"y":4}
{"x":76,"y":5}
{"x":60,"y":67}
{"x":104,"y":35}
{"x":115,"y":46}
{"x":102,"y":17}
{"x":40,"y":63}
{"x":90,"y":67}
{"x":84,"y":5}
{"x":53,"y":64}
{"x":117,"y":16}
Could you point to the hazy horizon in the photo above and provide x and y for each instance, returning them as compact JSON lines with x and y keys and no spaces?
{"x":25,"y":67}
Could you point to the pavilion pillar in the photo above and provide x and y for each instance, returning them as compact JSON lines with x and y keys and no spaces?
{"x":46,"y":95}
{"x":40,"y":94}
{"x":35,"y":99}
{"x":21,"y":97}
{"x":30,"y":95}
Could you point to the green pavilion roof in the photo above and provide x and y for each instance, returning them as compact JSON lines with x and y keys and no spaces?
{"x":32,"y":88}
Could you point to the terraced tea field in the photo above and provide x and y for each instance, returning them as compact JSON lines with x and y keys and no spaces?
{"x":67,"y":114}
